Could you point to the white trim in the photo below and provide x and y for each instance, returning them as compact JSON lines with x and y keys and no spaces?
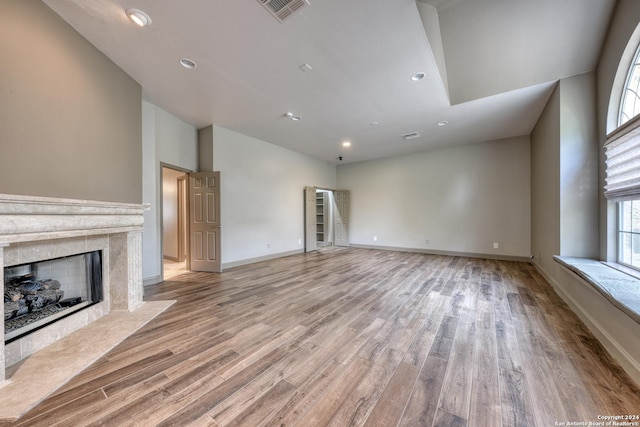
{"x":238,"y":263}
{"x":153,"y":280}
{"x":500,"y":257}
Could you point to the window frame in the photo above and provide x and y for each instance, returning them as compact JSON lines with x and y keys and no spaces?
{"x":633,"y":71}
{"x":621,"y":233}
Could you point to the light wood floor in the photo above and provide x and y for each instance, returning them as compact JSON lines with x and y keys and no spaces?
{"x":352,"y":337}
{"x":172,"y":269}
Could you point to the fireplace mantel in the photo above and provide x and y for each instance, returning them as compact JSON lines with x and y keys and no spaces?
{"x":29,"y":218}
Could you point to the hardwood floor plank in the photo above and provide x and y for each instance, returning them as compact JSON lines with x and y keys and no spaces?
{"x":390,"y":406}
{"x":46,"y":417}
{"x":485,"y":409}
{"x":515,"y":400}
{"x":324,"y":409}
{"x":85,"y":388}
{"x":445,"y":419}
{"x":360,"y":402}
{"x":201,"y":406}
{"x":443,"y":341}
{"x":423,"y":403}
{"x":256,"y":412}
{"x":160,"y":402}
{"x":348,"y":336}
{"x":458,"y":377}
{"x":306,"y":395}
{"x":423,"y":340}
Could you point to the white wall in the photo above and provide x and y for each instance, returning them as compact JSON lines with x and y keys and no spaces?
{"x":262,"y":195}
{"x":165,"y":139}
{"x":462,"y":199}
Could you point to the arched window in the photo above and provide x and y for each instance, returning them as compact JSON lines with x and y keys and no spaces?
{"x":630,"y":102}
{"x":622,"y":150}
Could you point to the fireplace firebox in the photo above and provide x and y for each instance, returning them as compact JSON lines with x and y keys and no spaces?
{"x":40,"y":293}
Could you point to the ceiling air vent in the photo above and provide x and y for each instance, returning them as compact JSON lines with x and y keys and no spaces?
{"x":409,"y":136}
{"x":283,"y":8}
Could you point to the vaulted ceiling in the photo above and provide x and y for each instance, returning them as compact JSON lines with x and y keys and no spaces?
{"x":490,"y":66}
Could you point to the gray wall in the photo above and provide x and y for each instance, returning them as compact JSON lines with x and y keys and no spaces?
{"x":564,"y":169}
{"x":461,"y":199}
{"x":545,"y":184}
{"x":578,"y":167}
{"x":70,"y":119}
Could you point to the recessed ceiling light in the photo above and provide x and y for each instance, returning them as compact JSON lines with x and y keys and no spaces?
{"x":374,"y":124}
{"x":289,"y":115}
{"x":443,"y":123}
{"x":138,"y":17}
{"x":418,"y":76}
{"x":188,"y":63}
{"x":346,"y":144}
{"x":305,"y":67}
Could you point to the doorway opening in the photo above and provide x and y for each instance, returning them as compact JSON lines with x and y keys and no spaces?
{"x":326,"y":216}
{"x":174,"y":221}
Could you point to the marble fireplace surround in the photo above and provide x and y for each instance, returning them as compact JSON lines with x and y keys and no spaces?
{"x":38,"y":228}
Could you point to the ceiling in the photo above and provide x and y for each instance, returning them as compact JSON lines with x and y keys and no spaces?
{"x":490,"y":66}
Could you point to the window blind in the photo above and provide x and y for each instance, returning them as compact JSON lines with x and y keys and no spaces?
{"x":622,"y":151}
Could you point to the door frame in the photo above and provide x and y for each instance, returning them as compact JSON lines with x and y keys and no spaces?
{"x":161,"y":203}
{"x":304,"y":216}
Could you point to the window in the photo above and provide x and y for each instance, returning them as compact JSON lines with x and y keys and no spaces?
{"x":623,"y":168}
{"x":630,"y":103}
{"x":629,"y":233}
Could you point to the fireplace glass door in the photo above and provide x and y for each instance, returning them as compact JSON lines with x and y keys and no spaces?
{"x":40,"y":293}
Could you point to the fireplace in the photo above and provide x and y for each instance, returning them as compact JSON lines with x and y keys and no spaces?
{"x":38,"y":233}
{"x":39,"y":293}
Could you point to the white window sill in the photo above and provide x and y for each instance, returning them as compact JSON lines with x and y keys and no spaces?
{"x":617,"y":283}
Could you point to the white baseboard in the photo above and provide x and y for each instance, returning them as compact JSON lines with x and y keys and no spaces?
{"x":448,"y":253}
{"x":151,"y":280}
{"x":630,"y":364}
{"x":238,"y":263}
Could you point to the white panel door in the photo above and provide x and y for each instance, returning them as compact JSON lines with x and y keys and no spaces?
{"x":310,"y":222}
{"x":204,"y":224}
{"x":341,"y":218}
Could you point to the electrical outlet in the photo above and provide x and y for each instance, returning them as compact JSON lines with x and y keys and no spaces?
{"x":375,"y":238}
{"x":426,"y":242}
{"x":496,"y":245}
{"x":299,"y":241}
{"x":268,"y":245}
